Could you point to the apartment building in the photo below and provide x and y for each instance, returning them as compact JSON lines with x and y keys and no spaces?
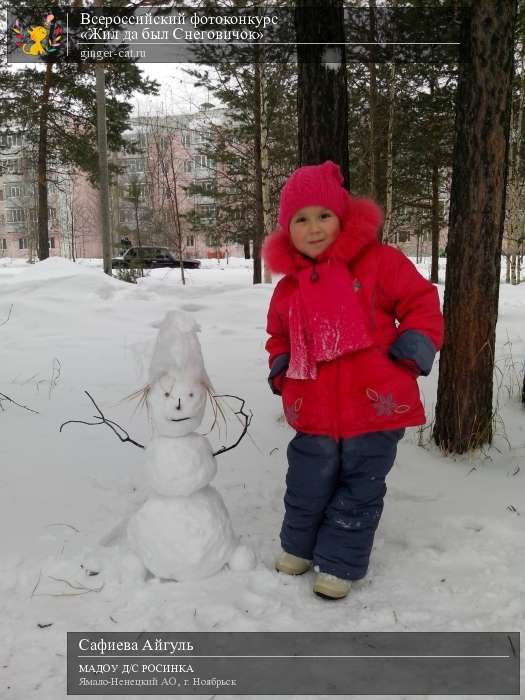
{"x":169,"y":160}
{"x":18,"y":201}
{"x":149,"y":199}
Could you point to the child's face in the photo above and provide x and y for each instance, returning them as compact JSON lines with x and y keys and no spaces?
{"x":313,"y":229}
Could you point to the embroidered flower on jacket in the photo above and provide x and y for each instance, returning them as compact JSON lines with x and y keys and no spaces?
{"x":384,"y":404}
{"x":292,"y":410}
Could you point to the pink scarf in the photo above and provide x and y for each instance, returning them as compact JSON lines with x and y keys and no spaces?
{"x":327,"y":318}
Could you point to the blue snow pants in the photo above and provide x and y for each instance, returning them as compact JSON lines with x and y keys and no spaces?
{"x":334,"y":498}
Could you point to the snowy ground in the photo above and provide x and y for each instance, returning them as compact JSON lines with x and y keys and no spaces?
{"x":447,"y":554}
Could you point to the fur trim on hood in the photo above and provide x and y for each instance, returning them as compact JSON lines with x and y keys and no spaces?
{"x":358,"y":231}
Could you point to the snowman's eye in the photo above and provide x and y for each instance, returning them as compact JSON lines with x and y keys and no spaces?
{"x":191,"y":396}
{"x":166,"y":394}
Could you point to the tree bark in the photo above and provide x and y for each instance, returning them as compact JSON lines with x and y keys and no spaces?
{"x":259,"y":213}
{"x":372,"y":102}
{"x":43,"y":209}
{"x":102,"y":143}
{"x":175,"y":205}
{"x":265,"y":168}
{"x":322,"y":86}
{"x":103,"y":168}
{"x":435,"y":221}
{"x":385,"y":234}
{"x":515,"y":161}
{"x":434,"y":212}
{"x":464,"y":410}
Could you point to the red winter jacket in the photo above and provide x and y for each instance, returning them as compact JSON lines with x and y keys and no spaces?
{"x":374,"y":388}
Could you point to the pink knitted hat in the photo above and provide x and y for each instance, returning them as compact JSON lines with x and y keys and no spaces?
{"x":313,"y":186}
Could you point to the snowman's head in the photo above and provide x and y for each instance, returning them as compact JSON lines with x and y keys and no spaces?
{"x":177,"y":404}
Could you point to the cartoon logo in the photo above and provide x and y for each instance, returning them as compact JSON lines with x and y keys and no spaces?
{"x":36,"y":40}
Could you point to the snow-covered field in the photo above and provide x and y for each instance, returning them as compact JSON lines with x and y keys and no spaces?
{"x":449,"y":553}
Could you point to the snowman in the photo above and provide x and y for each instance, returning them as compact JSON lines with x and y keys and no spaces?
{"x":183,"y":530}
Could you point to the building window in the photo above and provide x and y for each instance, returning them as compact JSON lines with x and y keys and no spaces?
{"x":13,"y":166}
{"x":10,"y":140}
{"x":201,"y":136}
{"x":206,"y":212}
{"x":15,"y":216}
{"x":185,"y":139}
{"x":134,"y":165}
{"x":188,"y":166}
{"x":207,"y":186}
{"x":14,"y":190}
{"x":32,"y":214}
{"x":190,"y":241}
{"x":23,"y":243}
{"x":203,"y":161}
{"x":3,"y":243}
{"x":199,"y":161}
{"x":134,"y":190}
{"x":52,"y":242}
{"x":142,"y":140}
{"x":125,"y":216}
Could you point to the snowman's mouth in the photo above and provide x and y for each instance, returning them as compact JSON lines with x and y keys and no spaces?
{"x":178,"y":420}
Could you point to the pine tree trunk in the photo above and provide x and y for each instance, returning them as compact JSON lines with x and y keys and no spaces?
{"x":175,"y":206}
{"x":514,"y":217}
{"x":321,"y":87}
{"x":259,"y":214}
{"x":477,"y":210}
{"x":390,"y":156}
{"x":513,"y":268}
{"x":372,"y":108}
{"x":434,"y":267}
{"x":516,"y":166}
{"x":43,"y":210}
{"x":265,"y":168}
{"x":435,"y":218}
{"x":103,"y":169}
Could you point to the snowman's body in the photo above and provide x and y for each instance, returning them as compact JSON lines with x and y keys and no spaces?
{"x":183,"y":530}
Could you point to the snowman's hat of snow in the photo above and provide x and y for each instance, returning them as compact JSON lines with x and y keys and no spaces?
{"x":178,"y":349}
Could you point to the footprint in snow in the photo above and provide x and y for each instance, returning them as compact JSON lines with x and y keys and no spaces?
{"x":193,"y":307}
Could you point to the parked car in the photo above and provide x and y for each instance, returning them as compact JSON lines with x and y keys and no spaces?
{"x":149,"y":257}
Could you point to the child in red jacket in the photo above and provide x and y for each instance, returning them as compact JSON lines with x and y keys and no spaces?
{"x":352,"y":324}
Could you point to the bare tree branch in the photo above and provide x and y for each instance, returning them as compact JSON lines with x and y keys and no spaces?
{"x":115,"y":427}
{"x":8,"y":316}
{"x":246,"y":418}
{"x":4,"y":397}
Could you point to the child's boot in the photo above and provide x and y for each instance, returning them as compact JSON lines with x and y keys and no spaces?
{"x":292,"y":565}
{"x":328,"y":586}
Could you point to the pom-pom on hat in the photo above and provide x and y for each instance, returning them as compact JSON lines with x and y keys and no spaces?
{"x":313,"y":186}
